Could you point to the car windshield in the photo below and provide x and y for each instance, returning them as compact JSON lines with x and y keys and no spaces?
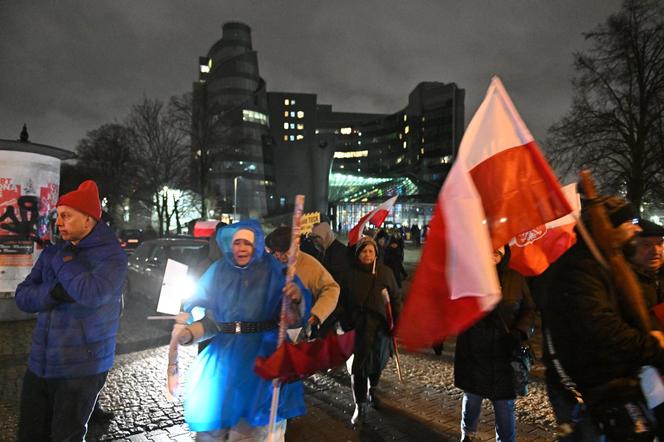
{"x":188,"y":254}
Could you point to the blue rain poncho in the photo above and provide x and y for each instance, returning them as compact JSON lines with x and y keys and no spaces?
{"x":222,"y":387}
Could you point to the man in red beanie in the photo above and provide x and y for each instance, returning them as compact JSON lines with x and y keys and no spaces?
{"x":75,"y":288}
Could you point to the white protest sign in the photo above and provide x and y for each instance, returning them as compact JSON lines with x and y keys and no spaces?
{"x":175,"y":281}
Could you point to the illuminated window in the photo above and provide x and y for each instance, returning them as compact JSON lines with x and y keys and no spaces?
{"x":292,"y":114}
{"x":346,"y":130}
{"x":405,"y":117}
{"x":300,"y":114}
{"x":353,"y":154}
{"x":406,"y":129}
{"x":300,"y":126}
{"x":292,"y":101}
{"x":292,"y":137}
{"x":422,"y":151}
{"x":285,"y":137}
{"x":300,"y":137}
{"x":254,"y":117}
{"x":285,"y":125}
{"x":286,"y":102}
{"x":285,"y":113}
{"x":205,"y":64}
{"x":405,"y":144}
{"x":292,"y":125}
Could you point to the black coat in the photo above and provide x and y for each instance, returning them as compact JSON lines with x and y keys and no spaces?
{"x":483,"y":352}
{"x":372,"y":338}
{"x":592,"y":336}
{"x":336,"y":259}
{"x":653,"y":293}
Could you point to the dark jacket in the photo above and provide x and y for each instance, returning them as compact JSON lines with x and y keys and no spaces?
{"x":372,"y":339}
{"x":594,"y":341}
{"x":394,"y":260}
{"x":484,"y":351}
{"x":74,"y":339}
{"x":336,"y":260}
{"x":653,"y":293}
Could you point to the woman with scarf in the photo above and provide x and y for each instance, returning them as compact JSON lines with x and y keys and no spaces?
{"x":373,"y":345}
{"x":241,"y":295}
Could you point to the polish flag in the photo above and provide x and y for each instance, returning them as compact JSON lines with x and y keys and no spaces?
{"x":500,"y":185}
{"x":375,"y":217}
{"x":533,"y":251}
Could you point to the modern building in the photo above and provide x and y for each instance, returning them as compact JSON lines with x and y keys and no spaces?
{"x":258,"y":149}
{"x":231,"y":148}
{"x":366,"y":157}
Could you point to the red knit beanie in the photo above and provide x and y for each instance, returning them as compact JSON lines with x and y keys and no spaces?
{"x":84,"y":199}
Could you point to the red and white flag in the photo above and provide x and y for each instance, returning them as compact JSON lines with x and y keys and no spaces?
{"x":499,"y":186}
{"x":375,"y":217}
{"x":533,"y":251}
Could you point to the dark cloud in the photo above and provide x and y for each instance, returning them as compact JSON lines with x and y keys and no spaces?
{"x":69,"y":66}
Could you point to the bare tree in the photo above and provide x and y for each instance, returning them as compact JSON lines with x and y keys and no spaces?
{"x":162,"y":155}
{"x":106,"y":156}
{"x":612,"y":127}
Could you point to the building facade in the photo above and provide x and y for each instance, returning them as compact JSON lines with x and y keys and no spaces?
{"x":231,"y":147}
{"x":256,"y":150}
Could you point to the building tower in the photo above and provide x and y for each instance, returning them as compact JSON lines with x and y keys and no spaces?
{"x":231,"y":145}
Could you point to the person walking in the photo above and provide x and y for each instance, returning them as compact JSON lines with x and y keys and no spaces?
{"x":75,"y":287}
{"x":394,"y":259}
{"x":592,"y":339}
{"x":646,"y":256}
{"x":314,"y":277}
{"x":373,"y":345}
{"x":242,"y":295}
{"x":483,"y":354}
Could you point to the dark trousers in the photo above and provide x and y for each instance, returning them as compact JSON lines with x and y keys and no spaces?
{"x":359,"y":384}
{"x":57,"y":409}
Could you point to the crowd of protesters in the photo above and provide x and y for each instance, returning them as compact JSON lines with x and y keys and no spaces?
{"x":601,"y":325}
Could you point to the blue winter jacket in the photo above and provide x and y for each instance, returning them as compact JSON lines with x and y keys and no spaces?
{"x":74,"y":339}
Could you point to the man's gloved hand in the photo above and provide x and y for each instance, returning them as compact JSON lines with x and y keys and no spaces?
{"x":59,"y":294}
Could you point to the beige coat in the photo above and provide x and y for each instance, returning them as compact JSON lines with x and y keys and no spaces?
{"x":323,"y":288}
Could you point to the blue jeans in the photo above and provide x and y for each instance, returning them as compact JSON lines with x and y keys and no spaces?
{"x":57,"y":409}
{"x":471,"y":408}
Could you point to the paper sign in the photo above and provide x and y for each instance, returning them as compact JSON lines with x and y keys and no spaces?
{"x":308,"y":221}
{"x":170,"y":297}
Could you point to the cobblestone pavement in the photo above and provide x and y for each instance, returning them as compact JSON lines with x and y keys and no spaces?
{"x":425,"y":407}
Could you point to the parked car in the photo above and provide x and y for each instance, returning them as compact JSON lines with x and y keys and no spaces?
{"x":130,"y":239}
{"x":148,"y":264}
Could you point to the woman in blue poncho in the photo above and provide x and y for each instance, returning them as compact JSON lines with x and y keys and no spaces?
{"x":241,"y":294}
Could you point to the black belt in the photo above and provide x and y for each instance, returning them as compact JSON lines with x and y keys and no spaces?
{"x":245,"y":327}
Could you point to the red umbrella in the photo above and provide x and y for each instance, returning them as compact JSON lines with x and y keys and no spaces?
{"x":291,"y":362}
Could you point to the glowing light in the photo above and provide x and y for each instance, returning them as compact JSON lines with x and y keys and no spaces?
{"x":353,"y":154}
{"x":346,"y":130}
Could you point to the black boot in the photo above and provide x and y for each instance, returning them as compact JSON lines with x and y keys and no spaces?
{"x":358,"y":415}
{"x":101,"y":416}
{"x":373,"y":399}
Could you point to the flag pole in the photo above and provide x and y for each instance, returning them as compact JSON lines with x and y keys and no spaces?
{"x":390,"y":324}
{"x":290,"y":274}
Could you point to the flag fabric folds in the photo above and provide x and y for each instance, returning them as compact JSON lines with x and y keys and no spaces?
{"x":533,"y":251}
{"x":499,"y":186}
{"x":291,"y":362}
{"x":375,"y":217}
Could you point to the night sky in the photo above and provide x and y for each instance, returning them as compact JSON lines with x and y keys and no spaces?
{"x":68,"y":66}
